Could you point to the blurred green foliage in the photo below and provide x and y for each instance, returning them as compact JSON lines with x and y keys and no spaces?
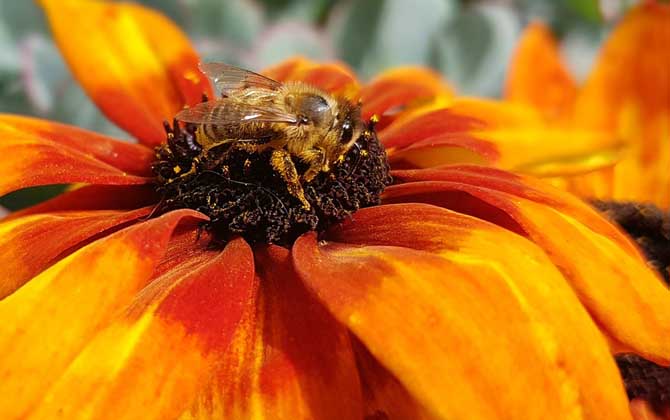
{"x":470,"y":42}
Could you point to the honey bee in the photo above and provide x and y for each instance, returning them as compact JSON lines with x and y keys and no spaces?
{"x":295,"y":120}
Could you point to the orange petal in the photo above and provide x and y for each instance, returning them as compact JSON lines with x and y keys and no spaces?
{"x":436,"y":138}
{"x":503,"y":134}
{"x":137,"y":66}
{"x":440,"y":122}
{"x":401,"y":87}
{"x":527,"y":143}
{"x":442,"y":150}
{"x":64,"y":306}
{"x":29,"y":160}
{"x":57,"y":234}
{"x":642,"y":411}
{"x":537,"y":74}
{"x":628,"y":94}
{"x":480,"y":330}
{"x":289,"y":360}
{"x":283,"y":71}
{"x":383,"y":395}
{"x":611,"y":278}
{"x":463,"y":238}
{"x":336,"y":78}
{"x":95,"y":197}
{"x":527,"y":188}
{"x":156,"y":356}
{"x":128,"y":157}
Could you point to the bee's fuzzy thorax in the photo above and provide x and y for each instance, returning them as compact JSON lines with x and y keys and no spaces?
{"x":243,"y":195}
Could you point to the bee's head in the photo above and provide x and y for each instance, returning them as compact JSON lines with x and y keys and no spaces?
{"x":311,"y":106}
{"x":348,"y":122}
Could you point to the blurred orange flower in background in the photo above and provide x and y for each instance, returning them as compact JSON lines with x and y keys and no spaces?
{"x":627,"y":96}
{"x":470,"y":292}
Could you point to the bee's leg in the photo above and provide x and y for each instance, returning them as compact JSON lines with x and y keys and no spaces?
{"x":281,"y":162}
{"x":316,"y":159}
{"x":249,"y":147}
{"x":255,"y":147}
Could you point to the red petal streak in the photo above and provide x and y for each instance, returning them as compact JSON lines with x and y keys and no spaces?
{"x":464,"y":239}
{"x":440,"y":122}
{"x":400,"y":87}
{"x":283,"y":71}
{"x":525,"y":187}
{"x":128,"y":157}
{"x":443,"y":149}
{"x":436,"y":138}
{"x":605,"y":269}
{"x":187,"y":245}
{"x":290,"y":358}
{"x":451,"y":328}
{"x":96,"y":197}
{"x":134,"y":62}
{"x":45,"y":324}
{"x":29,"y":162}
{"x":156,"y":357}
{"x":336,"y":78}
{"x":56,"y":233}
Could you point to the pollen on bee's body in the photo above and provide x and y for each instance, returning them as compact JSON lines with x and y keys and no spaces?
{"x":244,"y":196}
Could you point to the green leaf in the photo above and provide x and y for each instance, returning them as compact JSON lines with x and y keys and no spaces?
{"x":44,"y":72}
{"x":9,"y":58}
{"x":76,"y":108}
{"x":587,"y":9}
{"x":234,"y":22}
{"x":311,"y":11}
{"x":12,"y":96}
{"x":287,"y":39}
{"x":580,"y":47}
{"x":473,"y":51}
{"x":376,"y":34}
{"x":22,"y":18}
{"x":30,"y":196}
{"x":354,"y":27}
{"x":174,"y":9}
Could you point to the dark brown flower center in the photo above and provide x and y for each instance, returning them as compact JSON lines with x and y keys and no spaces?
{"x":649,"y":226}
{"x":244,"y":196}
{"x":645,"y":380}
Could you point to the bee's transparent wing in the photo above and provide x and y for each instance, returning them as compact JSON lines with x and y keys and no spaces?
{"x":230,"y":112}
{"x":229,"y":78}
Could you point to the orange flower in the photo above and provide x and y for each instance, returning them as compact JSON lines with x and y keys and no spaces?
{"x":627,"y":98}
{"x":470,"y":292}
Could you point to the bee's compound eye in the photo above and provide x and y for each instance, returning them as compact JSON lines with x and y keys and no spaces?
{"x":314,"y":107}
{"x":347,"y":131}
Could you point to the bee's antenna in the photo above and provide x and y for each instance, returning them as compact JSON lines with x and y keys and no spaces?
{"x":176,"y":129}
{"x":358,"y":159}
{"x":167,"y":128}
{"x":153,"y":211}
{"x":368,"y":132}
